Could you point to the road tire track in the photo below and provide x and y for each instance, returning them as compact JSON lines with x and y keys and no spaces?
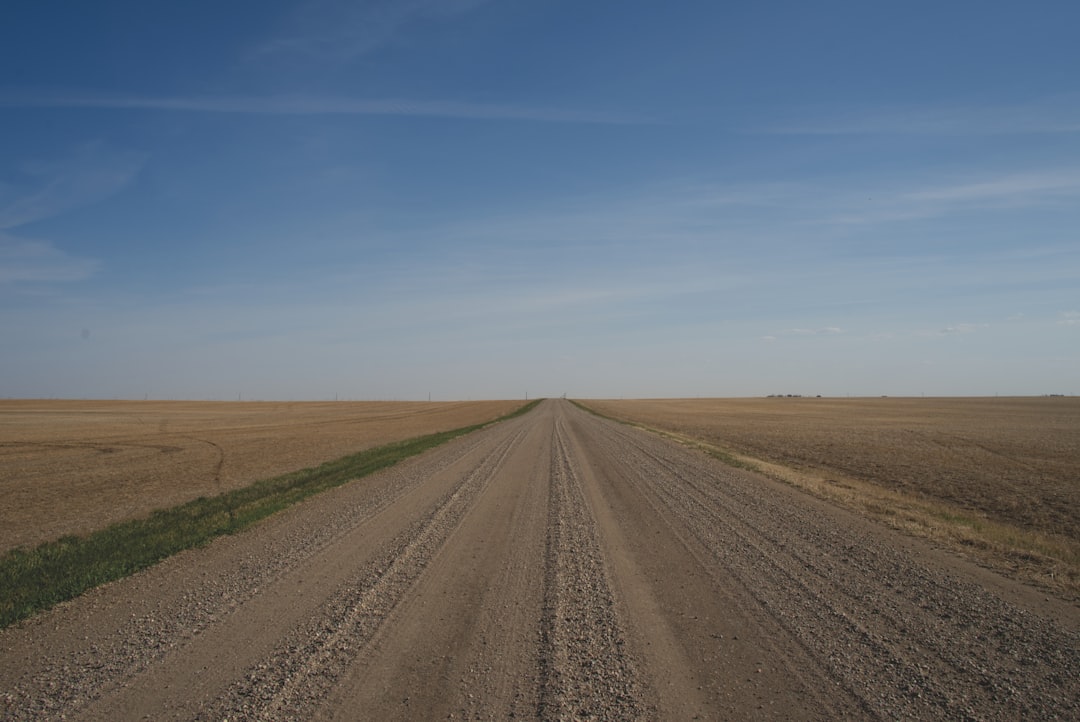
{"x":586,"y":670}
{"x":302,"y":670}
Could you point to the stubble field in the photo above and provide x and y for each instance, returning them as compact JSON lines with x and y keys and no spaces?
{"x":1008,"y":461}
{"x":71,"y":467}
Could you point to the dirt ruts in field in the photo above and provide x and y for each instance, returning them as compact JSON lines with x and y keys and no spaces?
{"x":555,"y":566}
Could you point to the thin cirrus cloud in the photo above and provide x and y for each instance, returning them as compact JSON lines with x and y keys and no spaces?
{"x":340,"y":30}
{"x":1017,"y":190}
{"x":38,"y":262}
{"x":41,"y":189}
{"x":961,"y":328}
{"x":1069,"y":318}
{"x":827,"y":331}
{"x":309,"y":105}
{"x":44,"y":188}
{"x":1018,"y":187}
{"x":1045,"y":116}
{"x":841,"y":201}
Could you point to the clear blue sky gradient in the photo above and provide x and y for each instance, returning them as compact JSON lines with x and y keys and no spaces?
{"x":382,"y":200}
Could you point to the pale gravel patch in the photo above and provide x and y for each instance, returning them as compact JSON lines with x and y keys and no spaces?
{"x":587,"y":672}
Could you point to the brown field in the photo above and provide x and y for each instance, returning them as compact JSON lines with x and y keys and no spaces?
{"x":70,"y":467}
{"x":1013,"y":461}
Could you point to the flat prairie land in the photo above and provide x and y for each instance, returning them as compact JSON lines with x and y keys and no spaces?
{"x":554,"y":566}
{"x":1014,"y":460}
{"x":71,"y":467}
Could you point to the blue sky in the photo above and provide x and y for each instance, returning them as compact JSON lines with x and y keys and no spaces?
{"x":483,"y":199}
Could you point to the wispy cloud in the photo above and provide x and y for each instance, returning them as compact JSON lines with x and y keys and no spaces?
{"x":847,"y":201}
{"x":1018,"y":187}
{"x":311,"y":105}
{"x":41,"y":189}
{"x":1015,"y":190}
{"x":1069,"y":318}
{"x":341,"y":30}
{"x":38,"y":261}
{"x":961,"y":328}
{"x":827,"y":331}
{"x":1047,"y":116}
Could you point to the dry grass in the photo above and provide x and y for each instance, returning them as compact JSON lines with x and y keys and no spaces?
{"x":998,"y":479}
{"x":71,"y":467}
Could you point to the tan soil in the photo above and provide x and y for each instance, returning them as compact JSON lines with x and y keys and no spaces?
{"x":71,"y":467}
{"x":1014,"y":460}
{"x":556,"y":566}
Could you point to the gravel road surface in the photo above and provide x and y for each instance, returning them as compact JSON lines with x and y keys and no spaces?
{"x":555,"y":566}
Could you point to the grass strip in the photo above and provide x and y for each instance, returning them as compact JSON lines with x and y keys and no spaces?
{"x":36,"y":579}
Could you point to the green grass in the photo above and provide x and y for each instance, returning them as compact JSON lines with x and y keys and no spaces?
{"x":36,"y":579}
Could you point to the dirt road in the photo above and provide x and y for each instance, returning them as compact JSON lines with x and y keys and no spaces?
{"x":555,"y":566}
